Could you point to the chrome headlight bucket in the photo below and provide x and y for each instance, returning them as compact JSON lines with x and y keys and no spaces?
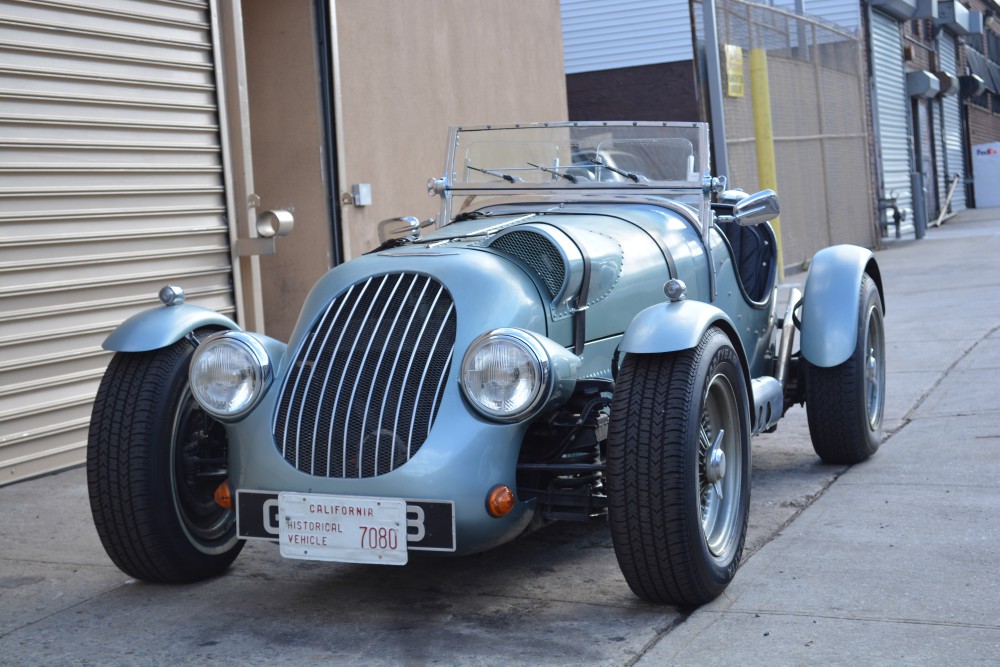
{"x":229,"y":374}
{"x":509,"y":375}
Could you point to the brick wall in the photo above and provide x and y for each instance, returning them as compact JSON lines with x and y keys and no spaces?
{"x":666,"y":91}
{"x":984,"y":125}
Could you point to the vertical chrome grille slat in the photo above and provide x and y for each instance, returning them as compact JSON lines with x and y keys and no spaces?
{"x":346,"y":367}
{"x":427,"y":364}
{"x":378,"y":364}
{"x":326,"y":383}
{"x":379,"y":359}
{"x":378,"y":367}
{"x":322,"y":393}
{"x":392,"y":374}
{"x":364,"y":356}
{"x":308,"y":349}
{"x":437,"y":392}
{"x":406,"y":376}
{"x":326,"y":377}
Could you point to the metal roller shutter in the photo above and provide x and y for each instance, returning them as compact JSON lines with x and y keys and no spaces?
{"x":951,"y":161}
{"x":892,"y":114}
{"x":624,"y":33}
{"x":111,"y":185}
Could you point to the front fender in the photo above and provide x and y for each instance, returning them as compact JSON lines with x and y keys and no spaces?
{"x":159,"y":327}
{"x":673,"y":326}
{"x":829,"y":323}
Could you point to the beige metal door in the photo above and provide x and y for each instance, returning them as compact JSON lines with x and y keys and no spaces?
{"x":111,"y":185}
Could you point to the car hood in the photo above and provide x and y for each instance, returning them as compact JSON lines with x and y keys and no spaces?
{"x":530,"y":270}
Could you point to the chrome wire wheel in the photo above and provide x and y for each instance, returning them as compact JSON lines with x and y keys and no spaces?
{"x":874,"y":347}
{"x":719,"y":454}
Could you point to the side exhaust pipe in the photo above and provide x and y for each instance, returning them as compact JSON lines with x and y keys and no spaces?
{"x":787,"y":338}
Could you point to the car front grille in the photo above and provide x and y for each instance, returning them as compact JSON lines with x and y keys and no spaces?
{"x":366,"y":383}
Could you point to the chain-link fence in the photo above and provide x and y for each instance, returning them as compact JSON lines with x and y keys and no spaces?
{"x":819,"y":121}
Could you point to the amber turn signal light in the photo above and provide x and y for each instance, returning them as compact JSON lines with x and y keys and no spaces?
{"x":223,"y":496}
{"x":500,"y":501}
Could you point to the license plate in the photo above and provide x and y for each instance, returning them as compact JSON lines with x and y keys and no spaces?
{"x":345,"y":529}
{"x":430,"y":524}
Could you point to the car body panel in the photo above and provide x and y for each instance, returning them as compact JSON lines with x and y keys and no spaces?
{"x":579,"y":261}
{"x":830,"y":303}
{"x":158,"y":327}
{"x":445,"y":469}
{"x":671,"y":327}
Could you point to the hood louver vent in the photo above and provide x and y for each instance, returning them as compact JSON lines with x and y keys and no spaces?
{"x":537,"y":252}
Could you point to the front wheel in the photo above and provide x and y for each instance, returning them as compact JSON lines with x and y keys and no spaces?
{"x":154,"y":461}
{"x":844,"y":404}
{"x":679,"y":471}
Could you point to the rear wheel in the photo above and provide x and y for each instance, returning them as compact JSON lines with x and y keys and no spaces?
{"x":844,"y":404}
{"x":679,"y":471}
{"x":154,"y":460}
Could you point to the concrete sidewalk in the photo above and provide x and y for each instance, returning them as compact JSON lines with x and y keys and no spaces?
{"x":897,"y":563}
{"x":894,"y":562}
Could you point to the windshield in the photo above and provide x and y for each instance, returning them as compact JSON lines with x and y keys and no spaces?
{"x":579,"y":156}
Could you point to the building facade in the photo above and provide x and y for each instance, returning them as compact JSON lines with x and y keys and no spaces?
{"x":629,"y":60}
{"x":929,"y":91}
{"x":813,"y":96}
{"x":142,"y":141}
{"x":928,"y":107}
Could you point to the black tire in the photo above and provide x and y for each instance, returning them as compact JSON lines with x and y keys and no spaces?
{"x":845,"y":404}
{"x":677,"y":540}
{"x":154,"y":459}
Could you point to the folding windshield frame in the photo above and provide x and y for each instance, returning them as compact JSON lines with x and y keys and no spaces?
{"x":500,"y":191}
{"x":583,"y":189}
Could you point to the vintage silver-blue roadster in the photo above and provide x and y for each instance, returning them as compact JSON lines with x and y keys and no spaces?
{"x":589,"y":331}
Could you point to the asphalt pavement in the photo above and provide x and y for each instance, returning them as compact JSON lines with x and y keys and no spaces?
{"x":892,"y":561}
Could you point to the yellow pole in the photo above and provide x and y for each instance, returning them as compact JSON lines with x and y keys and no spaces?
{"x":764,"y":135}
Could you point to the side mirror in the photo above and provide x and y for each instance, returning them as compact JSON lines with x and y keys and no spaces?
{"x":405,"y":226}
{"x":757,"y":208}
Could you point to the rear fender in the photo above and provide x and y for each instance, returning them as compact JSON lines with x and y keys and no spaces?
{"x":829,"y":321}
{"x":159,"y":327}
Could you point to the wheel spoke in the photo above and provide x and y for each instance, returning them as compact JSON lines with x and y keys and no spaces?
{"x":704,"y":441}
{"x":873,"y":371}
{"x":720,"y":491}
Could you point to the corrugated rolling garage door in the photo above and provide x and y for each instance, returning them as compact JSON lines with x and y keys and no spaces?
{"x":111,"y":185}
{"x":892,"y":114}
{"x":624,"y":33}
{"x":950,"y":152}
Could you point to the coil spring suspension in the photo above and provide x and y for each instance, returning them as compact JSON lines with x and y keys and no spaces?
{"x":562,"y":461}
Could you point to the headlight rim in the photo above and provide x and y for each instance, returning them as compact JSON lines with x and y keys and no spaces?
{"x":263,"y":371}
{"x":545,"y":375}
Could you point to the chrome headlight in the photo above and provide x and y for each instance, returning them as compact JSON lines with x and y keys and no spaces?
{"x":506,"y":373}
{"x":229,"y":373}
